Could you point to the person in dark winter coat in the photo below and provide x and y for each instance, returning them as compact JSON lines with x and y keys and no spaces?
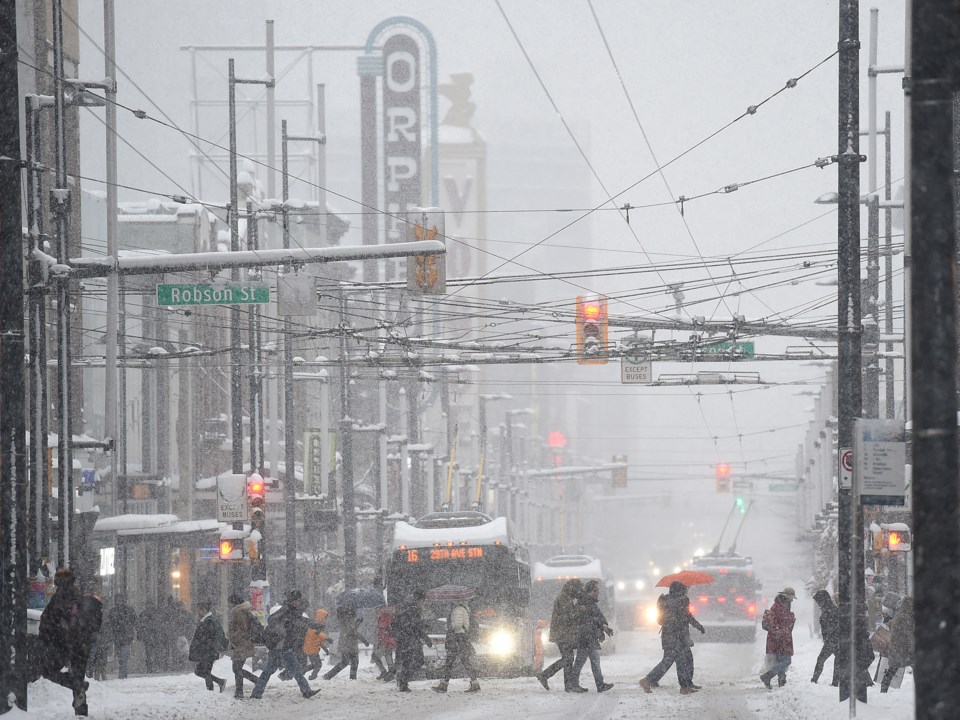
{"x":348,"y":644}
{"x":459,"y":647}
{"x":243,"y":631}
{"x":382,"y":655}
{"x":208,"y":642}
{"x":830,"y":633}
{"x":564,"y":628}
{"x":148,"y":633}
{"x":675,"y":622}
{"x":68,"y":629}
{"x":284,"y":635}
{"x":778,"y":621}
{"x":410,"y":633}
{"x":122,"y":623}
{"x":901,"y":642}
{"x":592,"y":629}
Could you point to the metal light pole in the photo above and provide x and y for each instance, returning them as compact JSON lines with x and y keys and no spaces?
{"x":479,"y":499}
{"x":236,"y":388}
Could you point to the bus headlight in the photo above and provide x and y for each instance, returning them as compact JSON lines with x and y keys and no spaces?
{"x":502,"y":642}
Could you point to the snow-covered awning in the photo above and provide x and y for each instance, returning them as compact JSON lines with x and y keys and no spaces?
{"x":155,"y":525}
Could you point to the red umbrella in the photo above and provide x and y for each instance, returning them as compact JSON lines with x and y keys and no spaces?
{"x":450,"y":593}
{"x":687,"y":577}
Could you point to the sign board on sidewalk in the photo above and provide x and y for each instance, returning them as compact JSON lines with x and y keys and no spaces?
{"x":881,"y":461}
{"x":215,"y":294}
{"x":231,"y":498}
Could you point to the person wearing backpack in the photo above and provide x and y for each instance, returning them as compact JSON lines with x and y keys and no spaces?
{"x":283,"y":636}
{"x":459,"y":647}
{"x":208,"y":642}
{"x":68,"y":629}
{"x":244,"y":630}
{"x":675,"y":620}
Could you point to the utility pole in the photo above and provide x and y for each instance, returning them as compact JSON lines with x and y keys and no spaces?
{"x":13,"y":478}
{"x":113,"y":282}
{"x":236,"y":389}
{"x":254,"y":366}
{"x":935,"y":73}
{"x":60,"y":201}
{"x":889,"y":402}
{"x":345,"y":441}
{"x":850,"y":557}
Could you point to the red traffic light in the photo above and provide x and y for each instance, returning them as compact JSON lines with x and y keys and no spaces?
{"x":255,"y":487}
{"x":590,"y":310}
{"x":722,"y":470}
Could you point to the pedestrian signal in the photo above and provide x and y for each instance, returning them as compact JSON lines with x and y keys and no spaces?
{"x":231,"y":548}
{"x":592,"y":323}
{"x":896,"y":539}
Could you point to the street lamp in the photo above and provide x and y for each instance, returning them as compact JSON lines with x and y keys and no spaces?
{"x":507,"y":481}
{"x":236,"y":391}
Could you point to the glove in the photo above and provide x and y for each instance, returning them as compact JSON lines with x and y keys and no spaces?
{"x":429,"y":643}
{"x":609,"y":631}
{"x":366,"y":644}
{"x":702,"y":631}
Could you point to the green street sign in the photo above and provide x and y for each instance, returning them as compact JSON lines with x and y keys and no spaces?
{"x":782,"y":487}
{"x":745,"y":348}
{"x":226,"y":294}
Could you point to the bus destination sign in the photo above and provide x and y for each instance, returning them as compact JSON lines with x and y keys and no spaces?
{"x":461,"y":552}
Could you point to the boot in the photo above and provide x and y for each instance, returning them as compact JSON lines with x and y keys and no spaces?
{"x":646,"y":685}
{"x":687,"y":690}
{"x":441,"y":688}
{"x":765,"y":678}
{"x":474,"y":686}
{"x":781,"y":680}
{"x":543,"y":680}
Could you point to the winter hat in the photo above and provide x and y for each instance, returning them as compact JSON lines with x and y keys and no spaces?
{"x":235,"y":599}
{"x":789,"y":593}
{"x":294,"y":596}
{"x":63,"y":577}
{"x":678,"y":588}
{"x":821,"y":596}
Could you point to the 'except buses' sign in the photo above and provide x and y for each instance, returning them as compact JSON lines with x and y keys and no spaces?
{"x":462,"y":552}
{"x":232,"y":294}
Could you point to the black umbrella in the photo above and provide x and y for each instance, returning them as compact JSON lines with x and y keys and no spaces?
{"x":361,"y":598}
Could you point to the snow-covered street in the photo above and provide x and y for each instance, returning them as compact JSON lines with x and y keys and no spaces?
{"x":727,"y":672}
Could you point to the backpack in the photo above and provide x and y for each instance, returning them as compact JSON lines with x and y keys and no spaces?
{"x":765,"y":622}
{"x":275,"y":632}
{"x":89,"y":618}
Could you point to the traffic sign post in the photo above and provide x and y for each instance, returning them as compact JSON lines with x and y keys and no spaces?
{"x":635,"y":365}
{"x":846,"y":468}
{"x":225,"y":294}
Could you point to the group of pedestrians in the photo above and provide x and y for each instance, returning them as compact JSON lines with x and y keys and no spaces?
{"x":577,"y":626}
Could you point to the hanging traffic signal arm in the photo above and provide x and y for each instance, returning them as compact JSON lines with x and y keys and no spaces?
{"x":592,"y":330}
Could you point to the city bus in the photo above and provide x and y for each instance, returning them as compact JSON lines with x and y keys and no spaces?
{"x":472,"y":550}
{"x":550,"y":576}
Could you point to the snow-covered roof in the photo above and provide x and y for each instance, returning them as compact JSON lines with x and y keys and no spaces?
{"x":489,"y":533}
{"x":566,"y":566}
{"x":155,"y":525}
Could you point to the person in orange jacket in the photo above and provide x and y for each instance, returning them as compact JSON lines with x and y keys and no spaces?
{"x":315,"y":641}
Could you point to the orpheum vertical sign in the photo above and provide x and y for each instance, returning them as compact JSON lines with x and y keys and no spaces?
{"x":401,"y":135}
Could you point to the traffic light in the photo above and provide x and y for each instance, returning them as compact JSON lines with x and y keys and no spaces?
{"x":741,"y":504}
{"x":896,"y":537}
{"x":231,"y":548}
{"x":256,"y":499}
{"x":591,"y":330}
{"x":722,"y":471}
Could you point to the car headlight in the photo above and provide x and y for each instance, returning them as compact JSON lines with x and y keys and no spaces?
{"x":640,"y":584}
{"x":502,"y":642}
{"x":544,"y":636}
{"x":621,"y":585}
{"x":651,"y":614}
